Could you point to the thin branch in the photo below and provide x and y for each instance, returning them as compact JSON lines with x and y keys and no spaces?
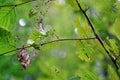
{"x":58,"y":40}
{"x":97,"y":36}
{"x":84,"y":13}
{"x":13,"y":50}
{"x":16,"y":4}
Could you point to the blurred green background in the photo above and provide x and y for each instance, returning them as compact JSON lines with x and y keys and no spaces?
{"x":67,"y":60}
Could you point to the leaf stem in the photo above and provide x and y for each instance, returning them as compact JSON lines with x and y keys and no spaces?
{"x":69,"y":39}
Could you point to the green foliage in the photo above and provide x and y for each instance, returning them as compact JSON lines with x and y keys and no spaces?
{"x":113,"y":74}
{"x":36,"y":34}
{"x":88,"y":76}
{"x":75,"y":78}
{"x":68,"y":60}
{"x":114,"y":47}
{"x":2,"y":2}
{"x":117,"y":28}
{"x":85,"y":52}
{"x":25,"y":0}
{"x":116,"y":23}
{"x":73,"y":4}
{"x":82,"y":27}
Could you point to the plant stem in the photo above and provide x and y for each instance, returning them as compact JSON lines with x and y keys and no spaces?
{"x":70,"y":39}
{"x":58,"y":40}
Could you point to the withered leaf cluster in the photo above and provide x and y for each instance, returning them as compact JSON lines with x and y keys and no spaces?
{"x":23,"y":57}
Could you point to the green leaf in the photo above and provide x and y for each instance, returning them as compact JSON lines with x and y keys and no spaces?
{"x":116,"y":27}
{"x":5,"y":1}
{"x":7,"y":42}
{"x":83,"y":28}
{"x":86,"y":75}
{"x":113,"y":74}
{"x":25,"y":0}
{"x":82,"y":55}
{"x":113,"y":45}
{"x":89,"y":76}
{"x":7,"y":18}
{"x":73,"y":4}
{"x":85,"y":52}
